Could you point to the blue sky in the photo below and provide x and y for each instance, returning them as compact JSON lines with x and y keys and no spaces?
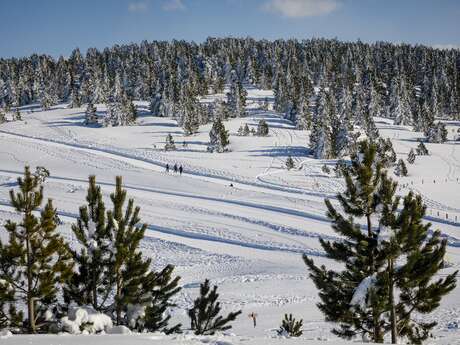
{"x":55,"y":27}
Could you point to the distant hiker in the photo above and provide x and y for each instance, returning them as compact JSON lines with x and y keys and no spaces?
{"x":167,"y":168}
{"x":175,"y":168}
{"x":253,"y":316}
{"x":180,"y":170}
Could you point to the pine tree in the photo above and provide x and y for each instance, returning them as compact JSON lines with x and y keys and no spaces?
{"x":90,"y":284}
{"x":91,"y":117}
{"x":2,"y":117}
{"x":219,"y":138}
{"x":204,"y":315}
{"x":35,"y":261}
{"x":411,"y":285}
{"x":236,"y":97}
{"x":401,"y":169}
{"x":128,"y":270}
{"x":156,"y":317}
{"x":321,"y":142}
{"x":421,"y":149}
{"x":436,"y":133}
{"x":411,"y":156}
{"x":262,"y":128}
{"x":290,"y":326}
{"x":290,"y":163}
{"x":360,"y":201}
{"x":170,"y":145}
{"x":246,"y":130}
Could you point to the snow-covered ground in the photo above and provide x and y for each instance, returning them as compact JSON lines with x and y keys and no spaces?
{"x":247,"y":238}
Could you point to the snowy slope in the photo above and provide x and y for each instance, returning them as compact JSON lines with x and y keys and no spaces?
{"x":247,"y":238}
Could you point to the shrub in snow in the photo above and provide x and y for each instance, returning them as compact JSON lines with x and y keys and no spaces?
{"x":204,"y":315}
{"x":325,"y":169}
{"x":290,"y":163}
{"x":400,"y":169}
{"x":290,"y":327}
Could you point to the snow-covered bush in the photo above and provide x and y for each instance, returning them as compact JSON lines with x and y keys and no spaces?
{"x":85,"y":320}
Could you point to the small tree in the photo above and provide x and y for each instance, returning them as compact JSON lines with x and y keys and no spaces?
{"x":204,"y":315}
{"x":262,"y":128}
{"x":2,"y":117}
{"x":290,"y":326}
{"x":156,"y":317}
{"x":169,"y":146}
{"x":401,"y":169}
{"x":290,"y":163}
{"x":35,"y":262}
{"x":246,"y":130}
{"x":422,"y":150}
{"x":90,"y":284}
{"x":325,"y":169}
{"x":411,"y":157}
{"x":219,"y":136}
{"x":90,"y":115}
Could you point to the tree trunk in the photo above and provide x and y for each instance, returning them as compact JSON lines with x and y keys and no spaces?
{"x":30,"y":297}
{"x":394,"y":335}
{"x":377,"y":334}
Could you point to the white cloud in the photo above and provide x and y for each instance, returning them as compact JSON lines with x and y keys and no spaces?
{"x":139,"y":6}
{"x":301,"y":8}
{"x":446,"y":46}
{"x":173,"y":5}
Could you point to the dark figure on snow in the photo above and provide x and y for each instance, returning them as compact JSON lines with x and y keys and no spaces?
{"x":181,"y":170}
{"x":167,"y":168}
{"x":253,"y":316}
{"x":175,"y":168}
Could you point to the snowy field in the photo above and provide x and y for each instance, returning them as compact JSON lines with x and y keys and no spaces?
{"x":247,"y":238}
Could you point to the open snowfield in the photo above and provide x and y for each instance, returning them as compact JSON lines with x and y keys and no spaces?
{"x":247,"y":238}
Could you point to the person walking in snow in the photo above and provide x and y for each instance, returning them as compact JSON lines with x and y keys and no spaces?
{"x":181,"y":170}
{"x":175,"y":168}
{"x":167,"y":168}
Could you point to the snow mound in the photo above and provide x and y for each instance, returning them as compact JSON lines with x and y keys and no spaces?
{"x":5,"y":334}
{"x":85,"y":320}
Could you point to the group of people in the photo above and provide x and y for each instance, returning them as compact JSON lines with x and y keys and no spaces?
{"x":175,"y":168}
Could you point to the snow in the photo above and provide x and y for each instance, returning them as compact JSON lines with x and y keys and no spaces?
{"x":361,"y":292}
{"x":87,"y":319}
{"x":247,"y":238}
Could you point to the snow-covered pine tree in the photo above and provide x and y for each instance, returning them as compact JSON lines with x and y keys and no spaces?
{"x":91,"y":283}
{"x":403,"y":111}
{"x":35,"y":261}
{"x":320,"y":137}
{"x":91,"y":117}
{"x":262,"y":128}
{"x":236,"y":97}
{"x":411,"y":156}
{"x":218,"y":137}
{"x":400,"y":169}
{"x":360,"y":201}
{"x":414,"y":255}
{"x":204,"y":315}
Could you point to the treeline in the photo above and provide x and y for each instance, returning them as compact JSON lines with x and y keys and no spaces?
{"x":412,"y":84}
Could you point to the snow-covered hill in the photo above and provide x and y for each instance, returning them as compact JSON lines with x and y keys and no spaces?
{"x":248,"y":237}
